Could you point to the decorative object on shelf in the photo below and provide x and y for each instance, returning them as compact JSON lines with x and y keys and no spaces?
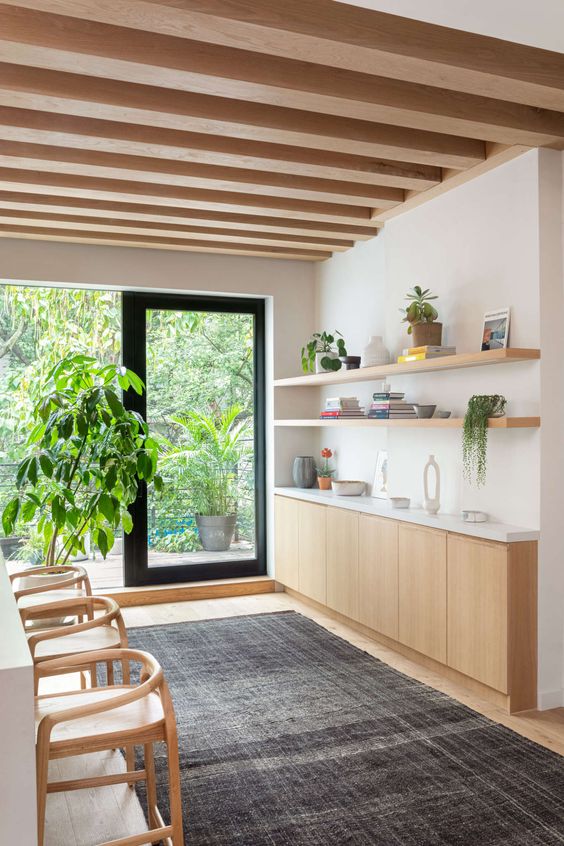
{"x":400,"y":501}
{"x":475,"y":434}
{"x":350,"y":362}
{"x":322,"y":351}
{"x":474,"y":516}
{"x":421,"y":316}
{"x":495,"y":334}
{"x":304,"y":471}
{"x":341,"y":408}
{"x":432,"y":503}
{"x":389,"y":405}
{"x":324,"y":472}
{"x":423,"y":353}
{"x":424,"y":411}
{"x":348,"y":487}
{"x":444,"y":415}
{"x":380,"y":485}
{"x":375,"y":353}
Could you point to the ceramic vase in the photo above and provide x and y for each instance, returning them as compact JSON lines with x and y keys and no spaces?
{"x":432,"y":502}
{"x":426,"y":334}
{"x":304,"y":472}
{"x":375,"y":353}
{"x":318,"y":356}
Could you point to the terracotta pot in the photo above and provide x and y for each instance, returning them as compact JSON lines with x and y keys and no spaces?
{"x":426,"y":334}
{"x":324,"y":483}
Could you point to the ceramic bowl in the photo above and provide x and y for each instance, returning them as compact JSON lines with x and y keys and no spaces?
{"x":400,"y":501}
{"x":424,"y":410}
{"x":347,"y":487}
{"x":443,"y":414}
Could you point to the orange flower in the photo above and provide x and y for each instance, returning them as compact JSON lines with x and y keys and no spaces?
{"x":326,"y":453}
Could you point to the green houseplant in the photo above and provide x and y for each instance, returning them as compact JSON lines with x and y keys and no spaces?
{"x":475,"y":434}
{"x":322,"y":352}
{"x":421,"y":317}
{"x":86,"y":456}
{"x":213,"y":445}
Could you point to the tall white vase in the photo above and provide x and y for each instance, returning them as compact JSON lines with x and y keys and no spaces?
{"x":432,"y":503}
{"x":375,"y":353}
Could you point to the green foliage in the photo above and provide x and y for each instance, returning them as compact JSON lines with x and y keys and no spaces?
{"x":185,"y":540}
{"x":86,"y":455}
{"x":210,"y":449}
{"x":323,"y":342}
{"x":419,"y":309}
{"x":475,"y":435}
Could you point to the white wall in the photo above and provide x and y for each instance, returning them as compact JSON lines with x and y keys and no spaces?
{"x":490,"y":243}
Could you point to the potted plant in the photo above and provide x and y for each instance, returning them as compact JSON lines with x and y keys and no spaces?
{"x":422,"y":316}
{"x":475,"y":434}
{"x":86,"y":456}
{"x":324,"y":471}
{"x":322,"y":351}
{"x":213,"y":447}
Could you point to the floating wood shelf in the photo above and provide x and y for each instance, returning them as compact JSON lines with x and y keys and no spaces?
{"x":421,"y":423}
{"x":387,"y":371}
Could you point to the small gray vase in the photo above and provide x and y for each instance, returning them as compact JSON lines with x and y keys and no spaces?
{"x":304,"y":472}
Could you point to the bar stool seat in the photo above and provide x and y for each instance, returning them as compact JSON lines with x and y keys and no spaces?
{"x":104,"y":637}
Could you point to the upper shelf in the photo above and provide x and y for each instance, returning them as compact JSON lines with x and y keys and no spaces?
{"x":417,"y":422}
{"x":386,"y":371}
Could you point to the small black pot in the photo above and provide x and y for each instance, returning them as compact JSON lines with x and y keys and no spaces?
{"x":350,"y":362}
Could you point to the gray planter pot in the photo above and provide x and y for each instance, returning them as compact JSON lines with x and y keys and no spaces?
{"x":216,"y":533}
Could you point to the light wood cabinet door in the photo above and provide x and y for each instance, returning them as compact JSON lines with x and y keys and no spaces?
{"x":477,"y":610}
{"x":342,"y":561}
{"x":286,"y":550}
{"x":312,"y":551}
{"x":378,"y":574}
{"x":422,"y":590}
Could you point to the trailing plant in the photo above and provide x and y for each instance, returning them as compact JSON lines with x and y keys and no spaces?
{"x":324,"y":471}
{"x":323,"y":342}
{"x":86,"y":456}
{"x":212,"y":446}
{"x":419,"y":309}
{"x":475,"y":434}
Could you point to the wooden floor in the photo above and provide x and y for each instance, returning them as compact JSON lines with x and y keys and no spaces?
{"x":89,"y":817}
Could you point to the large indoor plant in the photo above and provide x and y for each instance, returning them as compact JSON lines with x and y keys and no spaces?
{"x":87,"y":454}
{"x":211,"y":450}
{"x":422,"y":318}
{"x":322,"y":352}
{"x":475,"y":434}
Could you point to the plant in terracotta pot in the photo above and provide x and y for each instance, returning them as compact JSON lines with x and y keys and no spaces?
{"x":324,"y":471}
{"x":322,"y":352}
{"x":475,"y":434}
{"x":422,"y":318}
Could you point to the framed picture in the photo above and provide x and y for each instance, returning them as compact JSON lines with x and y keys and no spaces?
{"x":380,"y":486}
{"x":495,"y":334}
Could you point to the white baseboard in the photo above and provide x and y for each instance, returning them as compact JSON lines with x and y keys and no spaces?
{"x":551,"y":699}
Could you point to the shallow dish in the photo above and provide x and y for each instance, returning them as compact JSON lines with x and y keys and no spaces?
{"x":348,"y":487}
{"x":443,"y":414}
{"x":424,"y":410}
{"x":400,"y":501}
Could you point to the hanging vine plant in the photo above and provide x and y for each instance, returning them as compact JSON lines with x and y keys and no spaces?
{"x":475,"y":434}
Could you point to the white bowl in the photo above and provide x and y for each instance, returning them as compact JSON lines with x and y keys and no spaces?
{"x":400,"y":501}
{"x":347,"y":487}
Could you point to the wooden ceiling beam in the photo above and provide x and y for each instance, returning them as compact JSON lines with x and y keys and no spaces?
{"x":76,"y":94}
{"x":190,"y":175}
{"x":63,"y":130}
{"x":69,"y":44}
{"x":155,"y":242}
{"x":341,"y":35}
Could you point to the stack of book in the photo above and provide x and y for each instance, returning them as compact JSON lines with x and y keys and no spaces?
{"x":338,"y":408}
{"x":421,"y":353}
{"x":390,"y":405}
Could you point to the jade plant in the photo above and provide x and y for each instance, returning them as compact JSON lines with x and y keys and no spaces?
{"x":87,"y":456}
{"x":475,"y":434}
{"x":328,"y":345}
{"x":419,"y":309}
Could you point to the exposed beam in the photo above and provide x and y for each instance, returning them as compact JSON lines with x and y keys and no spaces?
{"x":176,"y":214}
{"x":108,"y":99}
{"x":341,"y":35}
{"x":114,"y":137}
{"x":190,"y":175}
{"x":155,"y":242}
{"x":69,"y":44}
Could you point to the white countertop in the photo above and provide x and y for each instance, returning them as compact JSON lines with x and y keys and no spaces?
{"x":382,"y":508}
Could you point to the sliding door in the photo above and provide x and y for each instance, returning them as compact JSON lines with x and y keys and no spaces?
{"x":202,"y":361}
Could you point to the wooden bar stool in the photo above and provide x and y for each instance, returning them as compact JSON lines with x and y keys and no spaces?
{"x":102,"y":718}
{"x":75,"y":583}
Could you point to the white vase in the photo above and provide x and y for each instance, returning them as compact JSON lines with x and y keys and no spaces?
{"x":318,"y":356}
{"x":432,"y":503}
{"x":375,"y":353}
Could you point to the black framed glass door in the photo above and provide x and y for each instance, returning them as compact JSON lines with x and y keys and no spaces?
{"x":202,"y":361}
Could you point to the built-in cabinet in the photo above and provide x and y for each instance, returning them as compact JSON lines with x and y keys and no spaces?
{"x":463,"y":603}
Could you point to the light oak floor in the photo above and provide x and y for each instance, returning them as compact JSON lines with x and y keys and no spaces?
{"x":89,"y":817}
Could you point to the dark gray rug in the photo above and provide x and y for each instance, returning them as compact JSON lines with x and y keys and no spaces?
{"x":290,"y":736}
